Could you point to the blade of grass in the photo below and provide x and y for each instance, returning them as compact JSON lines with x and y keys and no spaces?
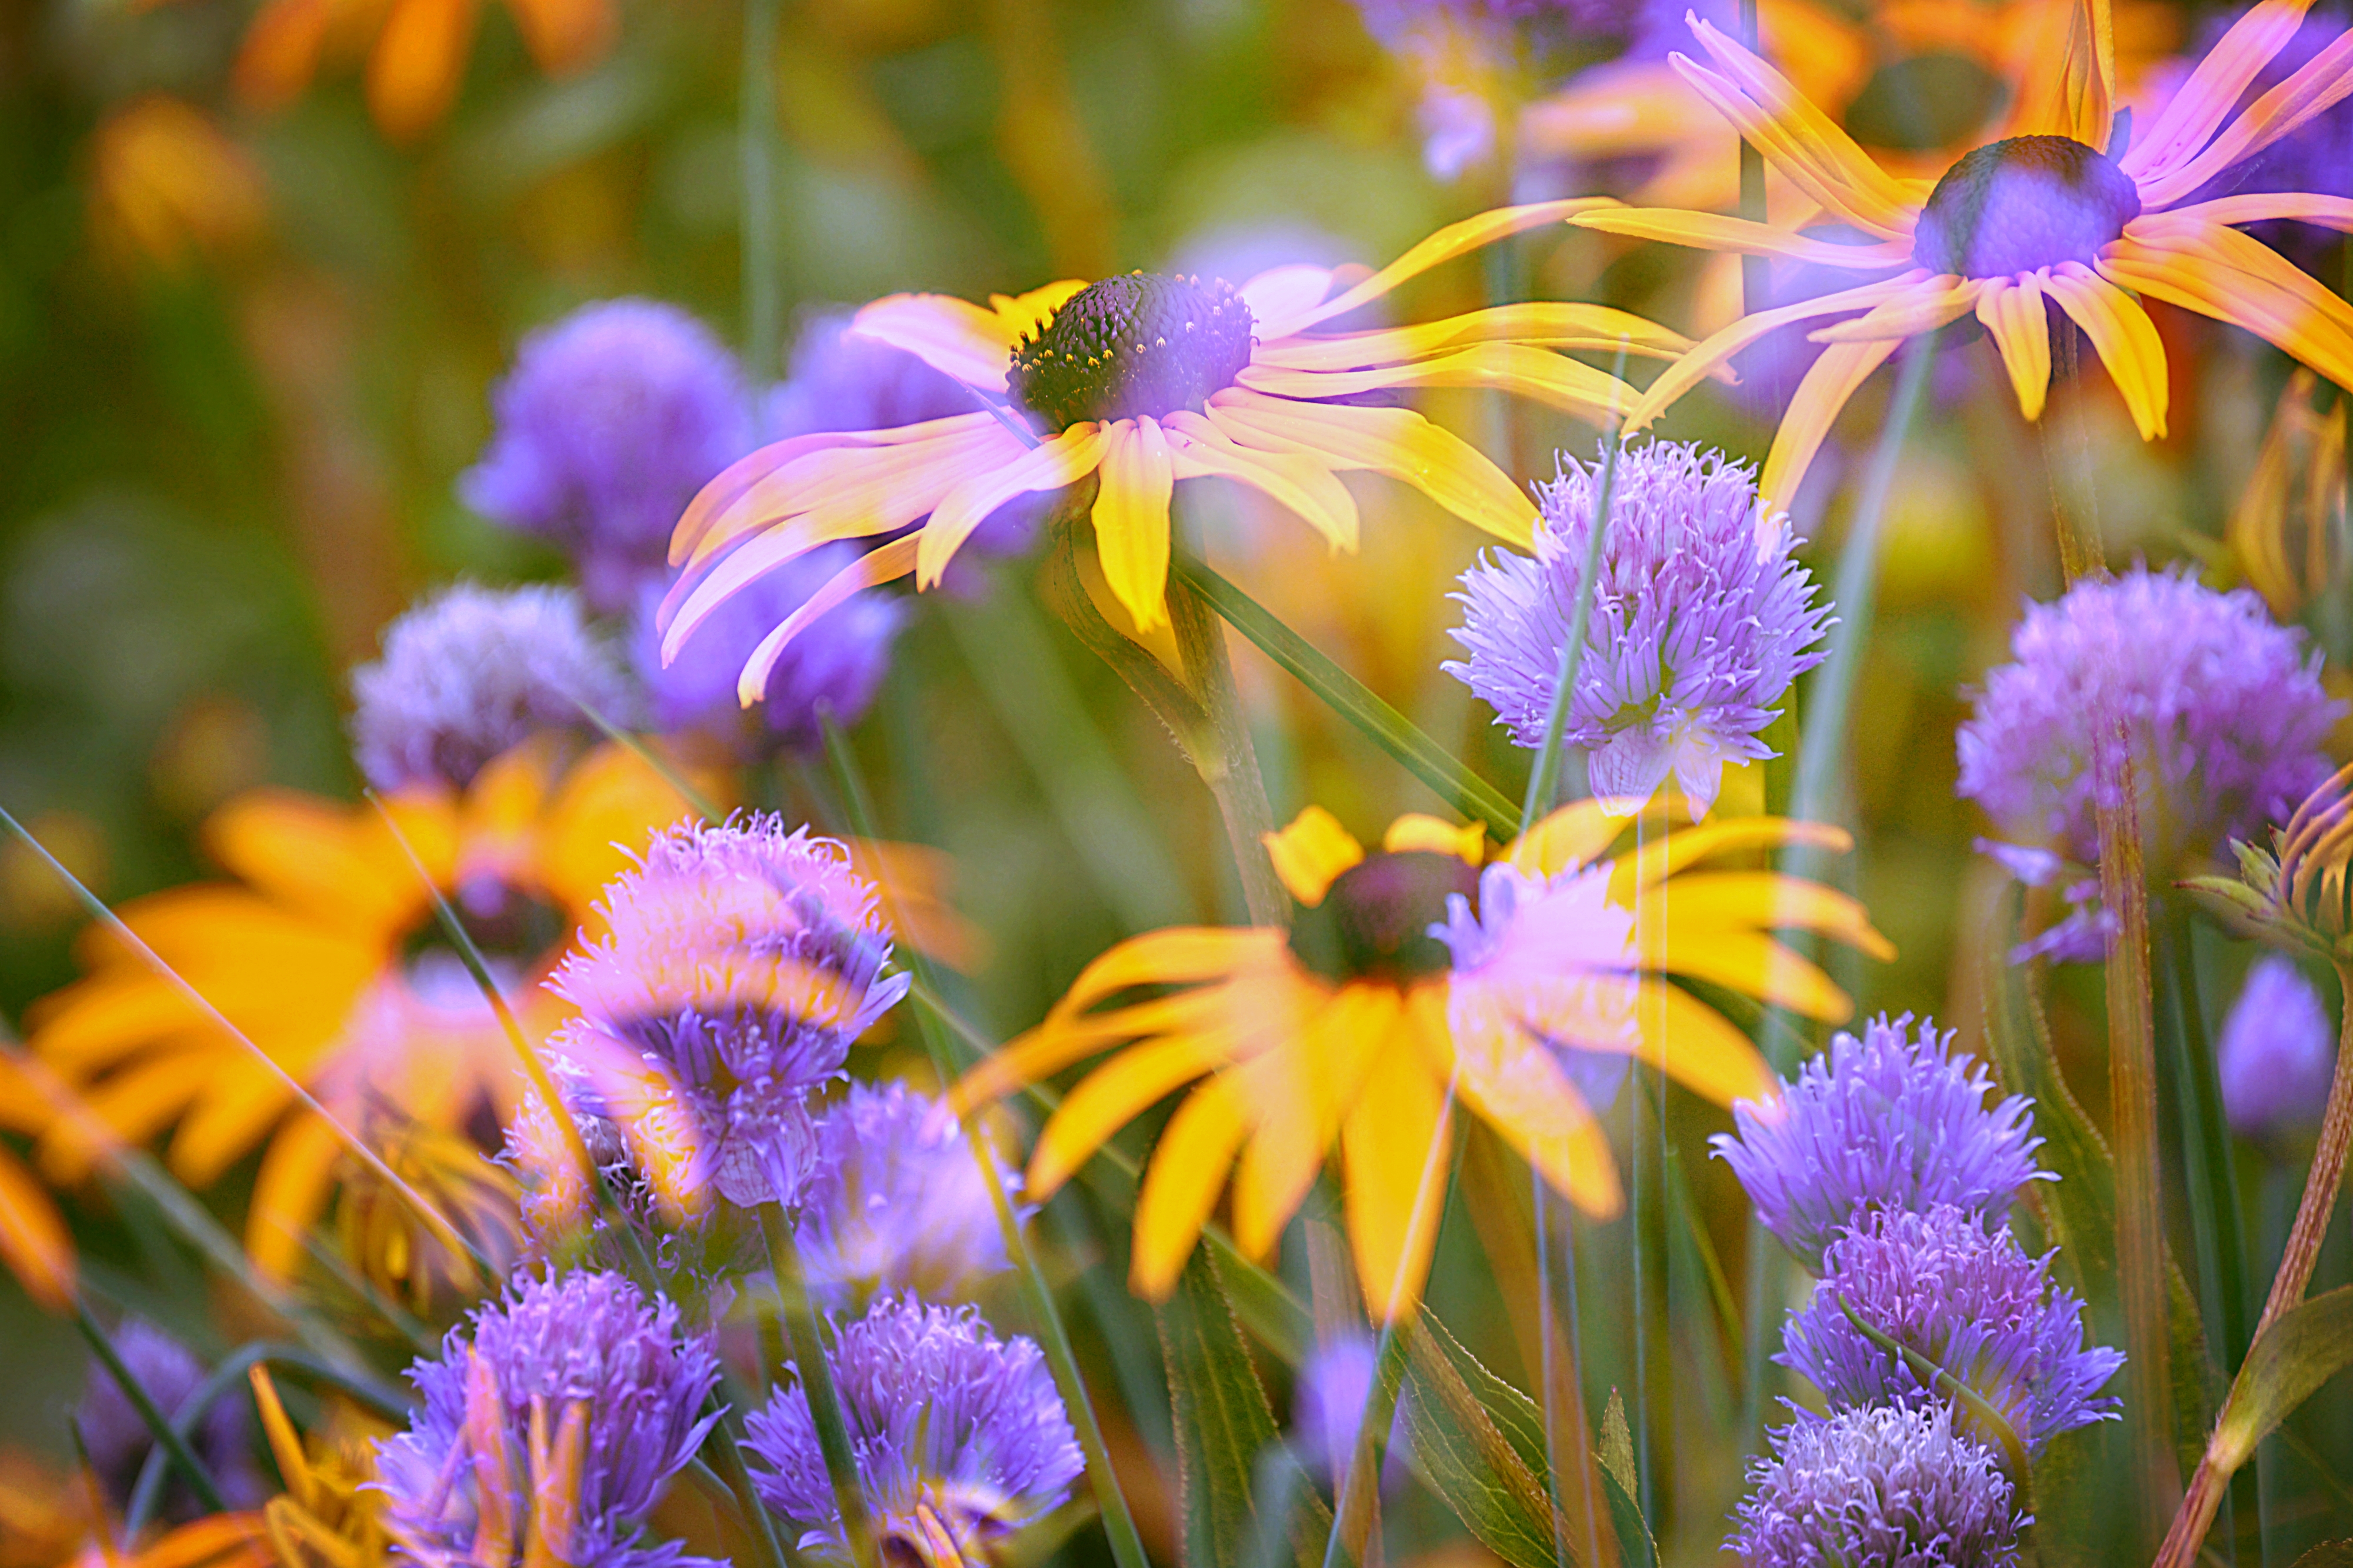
{"x":200,"y":1479}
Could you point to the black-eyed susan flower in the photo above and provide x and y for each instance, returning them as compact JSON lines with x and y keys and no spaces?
{"x":1418,"y":979}
{"x":1141,"y":381}
{"x":2076,"y":207}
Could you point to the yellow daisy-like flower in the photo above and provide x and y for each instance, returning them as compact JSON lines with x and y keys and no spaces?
{"x":1414,"y":980}
{"x":2074,"y":207}
{"x":322,"y":952}
{"x":1143,"y":380}
{"x":331,"y":1514}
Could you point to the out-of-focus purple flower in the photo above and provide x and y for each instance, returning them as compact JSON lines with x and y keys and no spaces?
{"x":897,"y":1202}
{"x":619,"y":1394}
{"x":1701,"y":619}
{"x":118,"y":1442}
{"x":1895,"y":1119}
{"x":960,"y":1437}
{"x":2223,"y":709}
{"x":609,"y":422}
{"x":2278,"y":1053}
{"x":835,"y":668}
{"x":741,"y":962}
{"x":472,"y":672}
{"x":1967,"y":1299}
{"x":1891,"y":1486}
{"x":1328,"y":1408}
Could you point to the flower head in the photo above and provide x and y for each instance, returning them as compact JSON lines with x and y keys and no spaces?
{"x":1894,"y":1120}
{"x":471,"y":672}
{"x":1939,"y":1283}
{"x":610,"y":421}
{"x":1892,"y":1485}
{"x":2278,"y":1053}
{"x":835,"y":670}
{"x":2223,"y":709}
{"x":1700,"y":621}
{"x":116,"y":1437}
{"x":960,"y":1437}
{"x":575,"y":1400}
{"x":743,"y":961}
{"x":897,"y":1202}
{"x":1141,"y":381}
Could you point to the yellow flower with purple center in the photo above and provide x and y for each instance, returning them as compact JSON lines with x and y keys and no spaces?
{"x":2074,"y":207}
{"x":1419,"y":978}
{"x":1139,"y":382}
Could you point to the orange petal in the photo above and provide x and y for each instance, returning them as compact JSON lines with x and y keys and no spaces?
{"x":1131,"y":518}
{"x":565,"y":36}
{"x":33,"y":1239}
{"x":280,"y":51}
{"x":1311,"y":853}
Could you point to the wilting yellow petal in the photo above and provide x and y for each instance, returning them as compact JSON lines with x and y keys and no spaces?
{"x":1065,"y":460}
{"x":1516,"y":369}
{"x":1311,"y":853}
{"x":1539,"y":323}
{"x":1455,"y":240}
{"x":883,"y":563}
{"x":1709,"y":231}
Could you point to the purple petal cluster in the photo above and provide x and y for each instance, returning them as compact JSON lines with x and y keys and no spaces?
{"x":1967,"y":1299}
{"x":1894,"y":1120}
{"x":585,"y":1341}
{"x":834,"y":668}
{"x":897,"y":1203}
{"x":742,"y":960}
{"x":2223,"y":709}
{"x":2278,"y":1053}
{"x":960,"y":1437}
{"x":1892,"y":1486}
{"x":116,"y":1437}
{"x":472,"y":671}
{"x":1701,"y":619}
{"x":609,"y":422}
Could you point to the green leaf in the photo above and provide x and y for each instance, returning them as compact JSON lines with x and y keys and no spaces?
{"x":2304,"y":1348}
{"x":2328,"y":1555}
{"x":1625,"y":1491}
{"x":1223,"y":1422}
{"x":1484,"y":1468}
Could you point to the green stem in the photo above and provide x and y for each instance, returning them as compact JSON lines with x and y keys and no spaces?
{"x":803,"y":1332}
{"x":2209,"y":1171}
{"x":1037,"y":1297}
{"x":763,"y":321}
{"x":1225,"y":755}
{"x":167,"y":1436}
{"x":779,"y":1553}
{"x":1544,"y":774}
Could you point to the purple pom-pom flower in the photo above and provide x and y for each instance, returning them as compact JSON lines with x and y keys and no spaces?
{"x":2278,"y":1053}
{"x":1894,"y":1120}
{"x":897,"y":1202}
{"x":472,"y":671}
{"x":1892,"y":1486}
{"x":2222,"y":709}
{"x":741,"y":962}
{"x":960,"y":1437}
{"x":1701,"y":619}
{"x":1968,"y":1300}
{"x":560,"y":1421}
{"x":610,"y":421}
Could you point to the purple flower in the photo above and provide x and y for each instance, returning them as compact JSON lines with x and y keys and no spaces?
{"x":472,"y":672}
{"x":117,"y":1438}
{"x":1891,"y":1120}
{"x":1700,"y":621}
{"x":1889,"y":1486}
{"x":1967,"y":1299}
{"x":2278,"y":1053}
{"x":2223,"y":709}
{"x":960,"y":1437}
{"x":897,"y":1202}
{"x":617,"y":1397}
{"x":610,"y":421}
{"x":836,"y":668}
{"x":742,"y":963}
{"x":1328,"y":1408}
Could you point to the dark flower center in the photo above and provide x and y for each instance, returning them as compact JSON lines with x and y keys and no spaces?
{"x":2030,"y":202}
{"x":1131,"y":347}
{"x":1374,"y":923}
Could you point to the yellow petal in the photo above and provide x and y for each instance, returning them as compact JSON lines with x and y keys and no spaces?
{"x":954,"y":337}
{"x":1571,"y":837}
{"x":1744,"y":961}
{"x":1065,"y":460}
{"x":883,"y":563}
{"x":1697,"y":1046}
{"x":1832,"y":379}
{"x":1415,"y":831}
{"x":1131,"y":518}
{"x":1298,"y":1095}
{"x":1913,"y":314}
{"x":1114,"y":1094}
{"x":1393,"y":441}
{"x":34,"y":1241}
{"x":413,"y":71}
{"x":1685,"y":848}
{"x":1514,"y":369}
{"x":1717,"y":349}
{"x":1453,"y":240}
{"x":2227,"y":275}
{"x":1544,"y":323}
{"x":1767,"y":900}
{"x":1026,"y":313}
{"x":1181,"y":1184}
{"x":1395,"y":1144}
{"x":1509,"y":1080}
{"x":289,"y":1193}
{"x":1311,"y":853}
{"x":2012,"y":312}
{"x":1198,"y":450}
{"x":2122,"y":336}
{"x":1709,"y":231}
{"x":2195,"y":111}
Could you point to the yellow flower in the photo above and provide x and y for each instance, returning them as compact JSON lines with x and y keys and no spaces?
{"x":2073,"y":206}
{"x":1398,"y":996}
{"x":418,"y":57}
{"x":166,"y":184}
{"x":1143,"y":380}
{"x":329,"y":1515}
{"x":59,"y":1519}
{"x":2286,"y":533}
{"x":323,"y":952}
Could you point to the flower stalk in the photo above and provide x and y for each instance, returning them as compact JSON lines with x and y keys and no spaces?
{"x":808,"y":1341}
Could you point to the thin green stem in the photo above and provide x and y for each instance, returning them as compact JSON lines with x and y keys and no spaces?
{"x":806,"y":1338}
{"x":764,"y":316}
{"x":778,"y":1552}
{"x":167,"y":1436}
{"x":1119,"y":1523}
{"x":1225,"y":756}
{"x":1545,"y":773}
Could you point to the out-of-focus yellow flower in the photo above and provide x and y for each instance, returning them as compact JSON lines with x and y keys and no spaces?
{"x":50,"y":1518}
{"x":34,"y":1241}
{"x":167,"y":185}
{"x":330,"y":1516}
{"x":380,"y":1235}
{"x":323,"y":952}
{"x":418,"y":57}
{"x":1415,"y":980}
{"x":2288,"y":528}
